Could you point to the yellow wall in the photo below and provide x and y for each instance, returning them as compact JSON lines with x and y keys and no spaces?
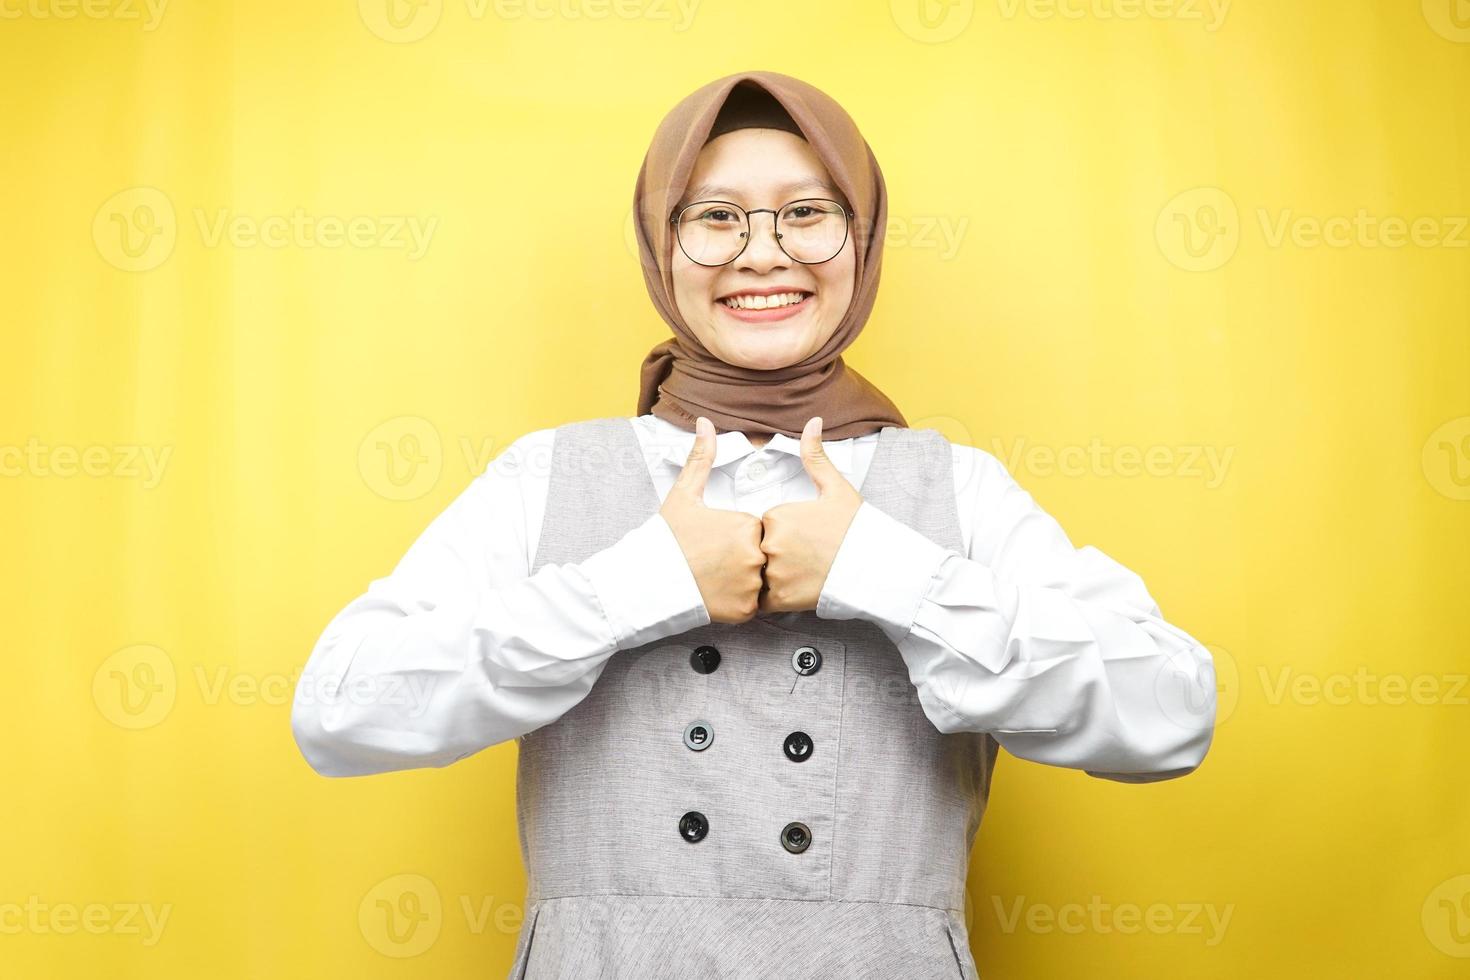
{"x":188,"y":428}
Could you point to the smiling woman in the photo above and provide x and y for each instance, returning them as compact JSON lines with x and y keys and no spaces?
{"x":760,"y":643}
{"x":744,"y":274}
{"x":782,"y":198}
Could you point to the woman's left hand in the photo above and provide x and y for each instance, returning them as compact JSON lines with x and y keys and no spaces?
{"x":801,"y":538}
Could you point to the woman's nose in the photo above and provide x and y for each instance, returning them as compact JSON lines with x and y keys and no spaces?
{"x":762,"y":252}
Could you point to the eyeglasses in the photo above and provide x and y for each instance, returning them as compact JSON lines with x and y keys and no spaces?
{"x":713,"y":233}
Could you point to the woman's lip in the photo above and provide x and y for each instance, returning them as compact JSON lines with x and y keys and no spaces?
{"x":765,"y":316}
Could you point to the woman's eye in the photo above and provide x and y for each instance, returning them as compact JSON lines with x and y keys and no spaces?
{"x":719,"y":215}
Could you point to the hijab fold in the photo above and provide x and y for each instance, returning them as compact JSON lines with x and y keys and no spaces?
{"x":679,"y":378}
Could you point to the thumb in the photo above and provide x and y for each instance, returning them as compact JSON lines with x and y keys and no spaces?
{"x":695,"y":474}
{"x":819,"y":466}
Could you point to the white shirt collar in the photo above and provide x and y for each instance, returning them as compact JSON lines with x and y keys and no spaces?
{"x":669,"y":442}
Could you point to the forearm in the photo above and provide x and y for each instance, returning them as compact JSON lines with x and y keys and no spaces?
{"x":398,"y":682}
{"x":1100,"y":683}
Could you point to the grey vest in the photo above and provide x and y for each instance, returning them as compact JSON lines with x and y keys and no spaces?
{"x":675,"y":824}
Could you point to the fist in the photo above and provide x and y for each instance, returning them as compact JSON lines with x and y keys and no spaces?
{"x":800,"y":539}
{"x":723,"y":547}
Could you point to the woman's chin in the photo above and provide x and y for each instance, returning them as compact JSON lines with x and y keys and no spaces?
{"x":762,"y":348}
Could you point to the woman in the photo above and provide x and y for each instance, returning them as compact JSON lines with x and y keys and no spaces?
{"x":760,"y":643}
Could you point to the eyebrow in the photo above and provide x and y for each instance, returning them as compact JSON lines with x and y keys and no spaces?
{"x":707,"y":191}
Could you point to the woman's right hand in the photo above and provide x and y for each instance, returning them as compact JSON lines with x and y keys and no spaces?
{"x":723,"y":547}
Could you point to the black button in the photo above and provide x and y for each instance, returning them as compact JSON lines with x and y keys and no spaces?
{"x":796,"y":837}
{"x":699,"y":735}
{"x":693,"y":826}
{"x":798,"y":746}
{"x":704,"y":659}
{"x":806,"y":660}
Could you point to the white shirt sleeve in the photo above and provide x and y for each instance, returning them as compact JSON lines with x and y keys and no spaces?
{"x":1057,"y":651}
{"x":460,"y":648}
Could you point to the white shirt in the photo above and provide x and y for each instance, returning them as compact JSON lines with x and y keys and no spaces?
{"x":1057,"y":651}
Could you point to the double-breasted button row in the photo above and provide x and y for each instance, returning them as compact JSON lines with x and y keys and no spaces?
{"x":795,"y":836}
{"x":705,"y":659}
{"x":700,"y":734}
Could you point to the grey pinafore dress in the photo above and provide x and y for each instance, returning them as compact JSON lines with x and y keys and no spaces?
{"x":755,"y":800}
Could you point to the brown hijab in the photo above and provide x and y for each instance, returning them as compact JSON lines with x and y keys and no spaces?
{"x":680,"y":379}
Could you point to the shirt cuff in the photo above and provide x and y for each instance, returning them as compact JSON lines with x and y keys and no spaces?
{"x":882,"y":572}
{"x":646,"y":586}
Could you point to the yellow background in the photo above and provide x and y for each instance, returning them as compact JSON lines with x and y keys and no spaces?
{"x":1128,"y":194}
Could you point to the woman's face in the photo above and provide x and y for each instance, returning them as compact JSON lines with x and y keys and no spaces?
{"x":762,"y":168}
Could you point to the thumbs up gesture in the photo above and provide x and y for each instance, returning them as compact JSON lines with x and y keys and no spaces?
{"x":723,"y":547}
{"x":800,"y":539}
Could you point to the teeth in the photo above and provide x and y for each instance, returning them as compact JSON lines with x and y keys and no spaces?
{"x":747,"y":302}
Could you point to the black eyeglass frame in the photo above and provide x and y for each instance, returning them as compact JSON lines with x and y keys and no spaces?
{"x":847,"y":214}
